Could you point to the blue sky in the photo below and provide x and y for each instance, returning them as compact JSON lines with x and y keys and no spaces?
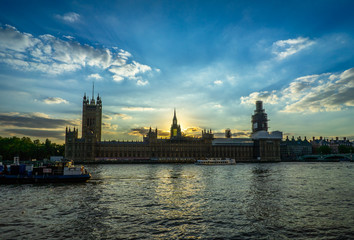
{"x":211,"y":60}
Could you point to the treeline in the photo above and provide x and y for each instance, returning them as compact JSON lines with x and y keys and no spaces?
{"x":27,"y":149}
{"x":341,"y":149}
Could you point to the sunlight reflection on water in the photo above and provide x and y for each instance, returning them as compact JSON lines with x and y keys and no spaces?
{"x":277,"y":201}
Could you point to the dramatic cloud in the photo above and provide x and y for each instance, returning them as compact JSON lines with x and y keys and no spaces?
{"x":32,"y":121}
{"x":314,"y":93}
{"x":34,"y":125}
{"x":15,"y":42}
{"x":142,"y":131}
{"x":163,"y":134}
{"x":69,"y":17}
{"x":193,"y":132}
{"x":266,"y":97}
{"x":59,"y":134}
{"x":128,"y":70}
{"x":324,"y":93}
{"x":51,"y":55}
{"x":285,"y":48}
{"x":54,"y":100}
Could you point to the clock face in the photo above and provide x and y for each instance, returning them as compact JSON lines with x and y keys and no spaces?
{"x":174,"y":132}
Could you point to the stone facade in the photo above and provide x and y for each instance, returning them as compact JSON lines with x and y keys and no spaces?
{"x":292,"y":149}
{"x":262,"y":146}
{"x":334,"y":144}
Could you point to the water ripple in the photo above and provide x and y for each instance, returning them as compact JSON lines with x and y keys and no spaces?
{"x":245,"y":201}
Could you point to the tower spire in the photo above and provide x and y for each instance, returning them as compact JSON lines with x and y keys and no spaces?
{"x":93,"y":90}
{"x":175,"y":128}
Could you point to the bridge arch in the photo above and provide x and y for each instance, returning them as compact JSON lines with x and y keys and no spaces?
{"x":337,"y":157}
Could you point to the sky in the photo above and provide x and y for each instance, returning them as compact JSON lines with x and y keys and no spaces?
{"x":211,"y":60}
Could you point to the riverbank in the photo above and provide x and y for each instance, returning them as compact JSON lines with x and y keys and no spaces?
{"x":156,"y":161}
{"x":189,"y":161}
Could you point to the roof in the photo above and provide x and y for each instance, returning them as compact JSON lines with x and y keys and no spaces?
{"x":232,"y":142}
{"x":266,"y":135}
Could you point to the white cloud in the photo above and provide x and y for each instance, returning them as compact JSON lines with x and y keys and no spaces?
{"x":55,"y":100}
{"x":314,"y":93}
{"x":69,"y":17}
{"x":285,"y":48}
{"x":69,"y":37}
{"x":128,"y":70}
{"x":265,"y":96}
{"x":51,"y":55}
{"x":218,"y":82}
{"x":141,"y":82}
{"x":13,"y":40}
{"x":95,"y":76}
{"x":124,"y":54}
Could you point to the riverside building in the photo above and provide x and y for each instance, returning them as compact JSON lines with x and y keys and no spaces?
{"x":261,"y":146}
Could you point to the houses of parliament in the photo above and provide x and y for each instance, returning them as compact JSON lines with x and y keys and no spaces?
{"x":261,"y":146}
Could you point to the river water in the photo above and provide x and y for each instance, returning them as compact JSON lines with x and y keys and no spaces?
{"x":243,"y":201}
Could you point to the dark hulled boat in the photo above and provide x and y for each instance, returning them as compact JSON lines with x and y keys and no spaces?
{"x":57,"y":172}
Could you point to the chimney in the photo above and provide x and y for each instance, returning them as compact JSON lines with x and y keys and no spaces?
{"x":321,"y":138}
{"x":345,"y":139}
{"x":336,"y":138}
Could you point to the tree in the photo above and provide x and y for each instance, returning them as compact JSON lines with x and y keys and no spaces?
{"x":324,"y":150}
{"x":345,"y":149}
{"x":27,"y":149}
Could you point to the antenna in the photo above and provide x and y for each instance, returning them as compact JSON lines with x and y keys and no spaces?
{"x":93,"y":90}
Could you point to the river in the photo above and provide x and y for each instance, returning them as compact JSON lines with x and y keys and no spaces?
{"x":175,"y":201}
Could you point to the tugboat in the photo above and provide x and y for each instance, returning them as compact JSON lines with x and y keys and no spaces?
{"x":54,"y":172}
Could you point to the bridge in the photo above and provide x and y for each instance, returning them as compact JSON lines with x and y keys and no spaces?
{"x":327,"y":158}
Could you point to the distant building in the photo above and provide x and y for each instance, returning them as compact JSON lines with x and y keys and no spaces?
{"x":334,"y":144}
{"x":317,"y":143}
{"x":262,"y":146}
{"x":292,"y":149}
